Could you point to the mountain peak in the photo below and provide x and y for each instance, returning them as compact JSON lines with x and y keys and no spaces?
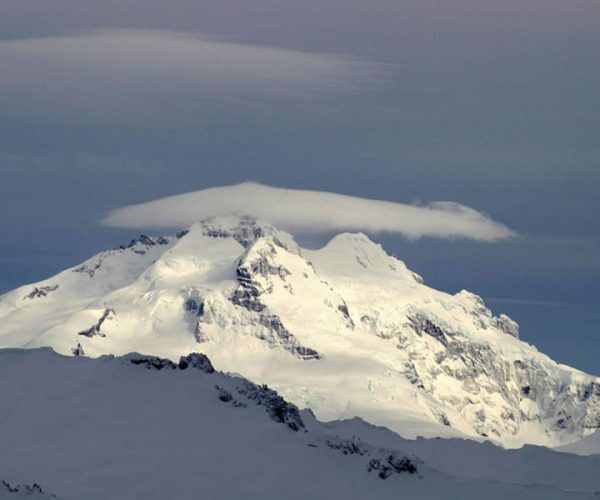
{"x":245,"y":230}
{"x":356,"y":253}
{"x":346,"y":330}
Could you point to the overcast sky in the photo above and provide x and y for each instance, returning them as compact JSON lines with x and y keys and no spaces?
{"x":491,"y":104}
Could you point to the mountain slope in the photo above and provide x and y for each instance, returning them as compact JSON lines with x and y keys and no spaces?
{"x":590,"y":445}
{"x":346,"y":330}
{"x":145,"y":427}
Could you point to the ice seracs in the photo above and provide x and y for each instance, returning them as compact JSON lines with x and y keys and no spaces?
{"x":346,"y":330}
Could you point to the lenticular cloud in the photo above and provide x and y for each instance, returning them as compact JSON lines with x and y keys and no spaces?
{"x":297,"y":210}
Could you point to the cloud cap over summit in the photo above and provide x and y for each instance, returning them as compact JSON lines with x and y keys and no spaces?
{"x":312,"y":211}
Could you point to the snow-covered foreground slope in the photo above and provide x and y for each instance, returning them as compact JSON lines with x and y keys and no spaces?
{"x":590,"y":445}
{"x":468,"y":459}
{"x":346,"y":330}
{"x":142,"y":427}
{"x":16,"y":491}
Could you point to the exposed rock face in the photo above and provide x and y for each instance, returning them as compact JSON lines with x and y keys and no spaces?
{"x":507,"y":325}
{"x":255,"y":274}
{"x":278,"y":408}
{"x":151,"y":362}
{"x":385,"y":462}
{"x":246,"y":230}
{"x":41,"y":291}
{"x":95,"y":329}
{"x":391,"y":464}
{"x":197,"y":361}
{"x":140,"y":245}
{"x":346,"y":330}
{"x":88,"y":269}
{"x":484,"y":318}
{"x":23,"y":491}
{"x":78,"y":350}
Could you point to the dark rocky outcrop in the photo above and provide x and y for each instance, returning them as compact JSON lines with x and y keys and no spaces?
{"x":278,"y":408}
{"x":24,"y":489}
{"x":246,"y":231}
{"x":506,"y":324}
{"x":421,"y":325}
{"x":385,"y":462}
{"x":89,"y":269}
{"x":152,"y":362}
{"x":145,"y":241}
{"x":391,"y":464}
{"x":194,"y":360}
{"x":94,"y":330}
{"x":197,"y":361}
{"x":78,"y":350}
{"x":41,"y":291}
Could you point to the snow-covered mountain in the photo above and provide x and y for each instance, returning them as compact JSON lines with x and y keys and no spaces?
{"x":144,"y":427}
{"x":346,"y":330}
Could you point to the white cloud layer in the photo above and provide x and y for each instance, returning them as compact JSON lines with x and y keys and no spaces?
{"x":136,"y":68}
{"x":311,"y":211}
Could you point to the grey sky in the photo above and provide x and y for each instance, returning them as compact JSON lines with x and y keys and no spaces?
{"x":492,"y":104}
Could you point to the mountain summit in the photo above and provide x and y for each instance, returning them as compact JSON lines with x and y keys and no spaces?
{"x":346,"y":330}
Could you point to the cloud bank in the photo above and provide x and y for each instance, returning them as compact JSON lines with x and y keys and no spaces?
{"x":127,"y":70}
{"x":311,"y":211}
